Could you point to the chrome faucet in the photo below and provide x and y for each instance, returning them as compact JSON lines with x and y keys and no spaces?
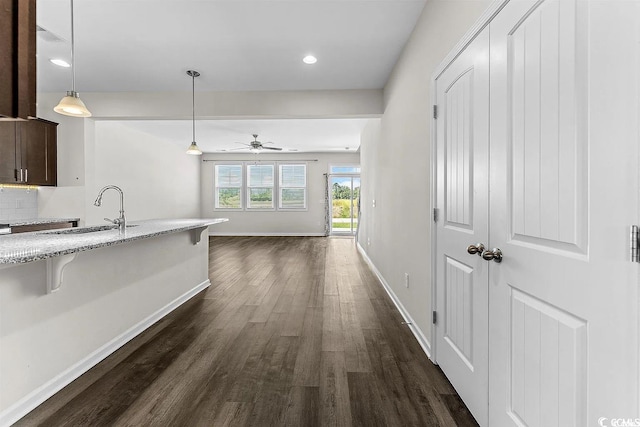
{"x":121,"y":222}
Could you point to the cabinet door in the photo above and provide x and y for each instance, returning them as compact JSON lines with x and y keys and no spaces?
{"x":18,"y":51}
{"x":38,"y":152}
{"x":26,"y":60}
{"x":6,"y":72}
{"x":8,"y":152}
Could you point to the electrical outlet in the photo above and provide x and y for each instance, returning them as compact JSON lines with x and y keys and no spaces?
{"x":406,"y":280}
{"x":368,"y":241}
{"x":18,"y":203}
{"x":374,"y":203}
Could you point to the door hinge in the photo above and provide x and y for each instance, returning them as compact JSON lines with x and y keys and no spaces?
{"x":435,"y":111}
{"x":634,"y":245}
{"x":435,"y":214}
{"x":434,"y":318}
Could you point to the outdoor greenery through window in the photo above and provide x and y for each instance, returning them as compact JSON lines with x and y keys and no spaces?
{"x":260,"y":186}
{"x":293,"y":186}
{"x":228,"y":179}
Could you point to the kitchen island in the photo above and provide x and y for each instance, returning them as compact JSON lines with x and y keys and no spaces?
{"x":69,"y":298}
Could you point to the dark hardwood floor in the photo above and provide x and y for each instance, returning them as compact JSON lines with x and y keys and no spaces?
{"x":293,"y":331}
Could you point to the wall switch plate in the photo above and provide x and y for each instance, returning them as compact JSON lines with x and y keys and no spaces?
{"x":406,"y":280}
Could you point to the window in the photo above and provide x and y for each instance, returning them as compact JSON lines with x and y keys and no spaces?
{"x":293,"y":186}
{"x":228,"y":187}
{"x":346,"y":169}
{"x":260,"y":186}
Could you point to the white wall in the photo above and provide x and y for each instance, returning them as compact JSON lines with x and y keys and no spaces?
{"x":266,"y":104}
{"x":395,"y":157}
{"x":158,"y":178}
{"x":309,"y":222}
{"x":68,"y":198}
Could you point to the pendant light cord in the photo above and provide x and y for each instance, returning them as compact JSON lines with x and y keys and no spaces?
{"x":73,"y":64}
{"x":193,"y":104}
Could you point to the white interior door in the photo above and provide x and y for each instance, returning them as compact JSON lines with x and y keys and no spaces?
{"x":564,"y":190}
{"x":462,"y":195}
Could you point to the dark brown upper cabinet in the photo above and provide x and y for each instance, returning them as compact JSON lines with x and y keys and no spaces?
{"x":8,"y":152}
{"x":28,"y":152}
{"x":18,"y":58}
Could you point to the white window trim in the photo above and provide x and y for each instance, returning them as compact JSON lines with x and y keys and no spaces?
{"x":216,"y":187}
{"x":306,"y":187}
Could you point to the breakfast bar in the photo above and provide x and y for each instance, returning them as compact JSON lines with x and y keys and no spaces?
{"x":71,"y":297}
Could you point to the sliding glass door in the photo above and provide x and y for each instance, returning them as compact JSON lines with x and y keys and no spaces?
{"x":345,"y":196}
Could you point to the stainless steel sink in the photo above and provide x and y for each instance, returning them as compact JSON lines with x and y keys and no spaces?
{"x":83,"y":230}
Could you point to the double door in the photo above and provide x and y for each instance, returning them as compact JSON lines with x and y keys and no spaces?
{"x":537,"y":184}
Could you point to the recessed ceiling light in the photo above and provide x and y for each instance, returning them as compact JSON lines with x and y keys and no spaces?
{"x":309,"y":59}
{"x":60,"y":63}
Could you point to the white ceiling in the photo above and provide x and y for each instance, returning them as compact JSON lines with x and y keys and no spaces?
{"x":236,"y":45}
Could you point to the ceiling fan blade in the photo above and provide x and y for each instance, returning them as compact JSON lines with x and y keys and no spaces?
{"x":272,"y":148}
{"x":242,"y":143}
{"x":267,"y":143}
{"x":236,"y":149}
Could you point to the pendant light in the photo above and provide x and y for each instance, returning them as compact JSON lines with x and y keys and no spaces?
{"x":71,"y":104}
{"x":193,"y":148}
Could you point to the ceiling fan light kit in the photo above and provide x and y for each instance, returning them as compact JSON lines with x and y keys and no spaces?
{"x":193,"y":148}
{"x":71,"y":104}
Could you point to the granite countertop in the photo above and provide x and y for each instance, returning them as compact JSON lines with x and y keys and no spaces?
{"x":26,"y":247}
{"x":35,"y":221}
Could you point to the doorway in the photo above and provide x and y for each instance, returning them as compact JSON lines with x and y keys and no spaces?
{"x":345,"y":197}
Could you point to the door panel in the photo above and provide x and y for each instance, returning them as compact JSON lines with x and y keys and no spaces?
{"x":564,"y":189}
{"x":462,"y":192}
{"x":458,"y":295}
{"x":546,"y":72}
{"x":548,"y":353}
{"x":458,"y":142}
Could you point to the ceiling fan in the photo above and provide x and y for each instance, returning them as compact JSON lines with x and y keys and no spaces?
{"x":256,"y":146}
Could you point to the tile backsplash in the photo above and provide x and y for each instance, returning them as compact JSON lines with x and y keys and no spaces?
{"x":18,"y":203}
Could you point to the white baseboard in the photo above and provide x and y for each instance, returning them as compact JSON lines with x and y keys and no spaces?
{"x":42,"y":393}
{"x":417,"y":332}
{"x":249,"y":234}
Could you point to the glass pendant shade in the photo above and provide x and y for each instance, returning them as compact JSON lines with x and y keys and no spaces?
{"x":72,"y":105}
{"x":194,"y":150}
